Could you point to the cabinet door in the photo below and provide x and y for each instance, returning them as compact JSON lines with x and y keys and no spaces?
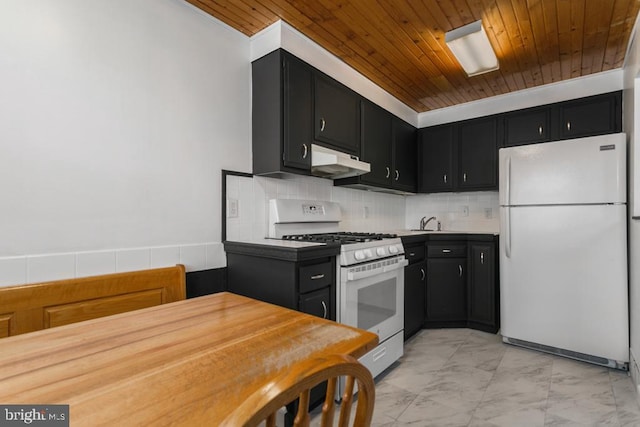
{"x":414,"y":298}
{"x":297,"y":135}
{"x":482,"y":283}
{"x":478,"y":154}
{"x":594,"y":115}
{"x":527,"y":126}
{"x":317,"y":303}
{"x":376,"y":144}
{"x":337,"y":115}
{"x":446,"y":289}
{"x":404,"y":156}
{"x":436,"y":159}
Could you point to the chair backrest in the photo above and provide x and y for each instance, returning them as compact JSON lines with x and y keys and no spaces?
{"x":298,"y":381}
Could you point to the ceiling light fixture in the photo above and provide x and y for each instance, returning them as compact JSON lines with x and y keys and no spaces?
{"x":470,"y":45}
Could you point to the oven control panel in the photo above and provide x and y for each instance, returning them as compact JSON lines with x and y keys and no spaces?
{"x":370,"y":251}
{"x":312,"y":210}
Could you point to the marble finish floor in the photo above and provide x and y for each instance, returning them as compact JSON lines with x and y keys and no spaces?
{"x":462,"y":377}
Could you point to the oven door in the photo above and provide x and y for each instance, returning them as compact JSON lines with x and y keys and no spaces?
{"x":372,"y":296}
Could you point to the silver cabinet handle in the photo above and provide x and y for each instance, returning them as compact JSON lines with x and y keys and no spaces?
{"x":540,"y":130}
{"x":422,"y":274}
{"x":481,"y":257}
{"x":568,"y":125}
{"x":464,"y":177}
{"x":317,"y":276}
{"x":397,"y":174}
{"x":305,"y":151}
{"x":412,"y":254}
{"x":388,"y":172}
{"x":460,"y":268}
{"x":322,"y":123}
{"x":444,"y":178}
{"x":324,"y":307}
{"x":446,"y":251}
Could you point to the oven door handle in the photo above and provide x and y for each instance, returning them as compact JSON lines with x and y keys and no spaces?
{"x":357,"y":275}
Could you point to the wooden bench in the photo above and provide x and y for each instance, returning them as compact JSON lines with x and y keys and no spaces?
{"x":33,"y":307}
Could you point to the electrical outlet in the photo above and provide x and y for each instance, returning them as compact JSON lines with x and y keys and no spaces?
{"x":232,"y":208}
{"x":465,"y":210}
{"x":488,"y":213}
{"x":365,"y":212}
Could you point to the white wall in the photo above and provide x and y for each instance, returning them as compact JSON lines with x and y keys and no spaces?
{"x":631,"y":117}
{"x":116,"y":118}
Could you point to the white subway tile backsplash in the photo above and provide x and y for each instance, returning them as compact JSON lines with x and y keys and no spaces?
{"x":95,"y":263}
{"x":133,"y":259}
{"x":215,"y":255}
{"x":41,"y":268}
{"x":13,"y":271}
{"x":194,"y":257}
{"x":165,"y":256}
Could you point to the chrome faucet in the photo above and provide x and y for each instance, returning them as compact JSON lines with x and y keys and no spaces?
{"x":424,"y":221}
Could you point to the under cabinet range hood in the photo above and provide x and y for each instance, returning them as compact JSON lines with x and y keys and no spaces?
{"x":328,"y":163}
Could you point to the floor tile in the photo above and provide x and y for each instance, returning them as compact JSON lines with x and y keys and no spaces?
{"x":460,"y":377}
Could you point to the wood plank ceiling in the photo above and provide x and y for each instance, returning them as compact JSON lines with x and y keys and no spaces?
{"x":399,"y":44}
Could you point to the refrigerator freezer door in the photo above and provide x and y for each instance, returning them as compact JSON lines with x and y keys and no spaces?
{"x":574,"y":171}
{"x":564,"y":283}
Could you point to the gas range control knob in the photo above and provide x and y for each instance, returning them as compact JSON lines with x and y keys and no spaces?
{"x":393,"y":250}
{"x":359,"y":255}
{"x":368,"y":253}
{"x":380,"y":252}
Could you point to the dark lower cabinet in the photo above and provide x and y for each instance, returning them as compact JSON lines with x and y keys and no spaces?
{"x":299,"y":280}
{"x":414,"y":298}
{"x":462,"y":288}
{"x":482,"y":292}
{"x":446,"y":289}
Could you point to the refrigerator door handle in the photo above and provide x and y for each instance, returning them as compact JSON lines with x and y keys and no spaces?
{"x":507,"y":229}
{"x":507,"y":189}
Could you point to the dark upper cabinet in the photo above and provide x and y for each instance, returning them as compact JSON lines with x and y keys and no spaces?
{"x":594,"y":115}
{"x":376,"y":144}
{"x":336,"y":114}
{"x":405,"y":163}
{"x":436,"y":154}
{"x":460,"y":156}
{"x":282,"y":114}
{"x":388,"y":144}
{"x":478,"y":154}
{"x":482,"y":291}
{"x":297,"y":113}
{"x":527,"y":126}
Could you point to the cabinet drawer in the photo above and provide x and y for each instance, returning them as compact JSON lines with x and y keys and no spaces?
{"x":414,"y":253}
{"x":446,"y":251}
{"x":315,"y":276}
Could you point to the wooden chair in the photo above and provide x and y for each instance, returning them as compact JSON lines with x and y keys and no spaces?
{"x":298,"y":381}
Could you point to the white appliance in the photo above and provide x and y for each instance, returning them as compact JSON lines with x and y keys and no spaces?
{"x":563,"y":248}
{"x":333,"y":164}
{"x":369,"y":276}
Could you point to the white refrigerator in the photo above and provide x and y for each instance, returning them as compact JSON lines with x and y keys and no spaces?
{"x":563,"y":248}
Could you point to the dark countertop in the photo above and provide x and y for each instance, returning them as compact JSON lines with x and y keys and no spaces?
{"x":415,"y":236}
{"x":282,"y":249}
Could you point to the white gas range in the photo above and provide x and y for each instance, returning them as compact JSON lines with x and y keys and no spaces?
{"x":369,"y":276}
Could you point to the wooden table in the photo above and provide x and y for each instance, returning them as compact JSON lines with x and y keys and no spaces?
{"x":184,"y":363}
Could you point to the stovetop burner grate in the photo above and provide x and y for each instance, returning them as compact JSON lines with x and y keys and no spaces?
{"x":340,"y":237}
